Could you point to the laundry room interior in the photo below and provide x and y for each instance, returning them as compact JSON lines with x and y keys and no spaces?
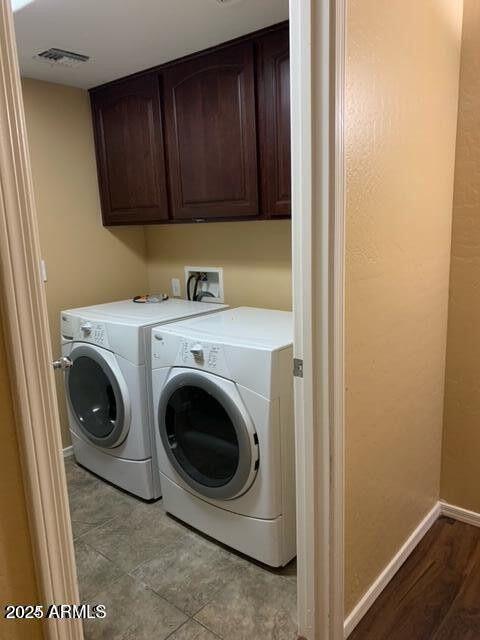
{"x":160,"y":148}
{"x":111,"y":229}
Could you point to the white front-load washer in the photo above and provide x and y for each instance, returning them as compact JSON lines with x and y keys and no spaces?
{"x":107,"y":387}
{"x":222,"y":391}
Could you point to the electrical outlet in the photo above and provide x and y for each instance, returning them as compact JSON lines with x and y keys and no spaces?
{"x":176,"y":290}
{"x":210,"y":284}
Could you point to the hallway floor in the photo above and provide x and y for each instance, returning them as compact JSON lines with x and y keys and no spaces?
{"x":159,"y":579}
{"x":436,"y":593}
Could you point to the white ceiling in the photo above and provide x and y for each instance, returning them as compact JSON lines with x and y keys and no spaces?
{"x":122,"y":37}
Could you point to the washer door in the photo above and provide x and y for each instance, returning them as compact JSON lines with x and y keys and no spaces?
{"x":207,"y":434}
{"x":98,"y":396}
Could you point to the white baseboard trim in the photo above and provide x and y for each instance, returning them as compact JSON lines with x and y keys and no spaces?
{"x":67,"y":452}
{"x":391,"y":569}
{"x":459,"y":513}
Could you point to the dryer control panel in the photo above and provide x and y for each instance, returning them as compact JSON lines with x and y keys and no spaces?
{"x":170,"y":350}
{"x":201,"y":354}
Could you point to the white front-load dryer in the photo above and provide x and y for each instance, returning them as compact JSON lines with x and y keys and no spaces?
{"x":108,"y":388}
{"x":222,"y":395}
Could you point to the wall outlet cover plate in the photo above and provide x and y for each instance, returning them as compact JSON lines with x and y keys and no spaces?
{"x":176,"y":290}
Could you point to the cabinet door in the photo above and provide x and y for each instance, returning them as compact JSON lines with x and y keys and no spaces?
{"x":274,"y":123}
{"x":130,"y":152}
{"x":211,"y":135}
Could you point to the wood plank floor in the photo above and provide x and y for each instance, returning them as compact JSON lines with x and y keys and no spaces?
{"x":436,"y":593}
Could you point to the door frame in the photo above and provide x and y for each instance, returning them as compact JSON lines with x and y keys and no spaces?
{"x":317,"y":64}
{"x":27,"y":334}
{"x":317,"y":39}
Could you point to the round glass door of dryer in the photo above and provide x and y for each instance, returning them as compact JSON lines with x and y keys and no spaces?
{"x":206,"y":437}
{"x":95,"y":397}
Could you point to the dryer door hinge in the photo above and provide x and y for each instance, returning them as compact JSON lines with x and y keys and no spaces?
{"x":298,"y":368}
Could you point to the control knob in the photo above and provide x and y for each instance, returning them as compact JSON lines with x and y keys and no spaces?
{"x":197,"y":351}
{"x":86,"y":327}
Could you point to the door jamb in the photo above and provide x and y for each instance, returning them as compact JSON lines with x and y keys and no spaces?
{"x":317,"y":53}
{"x":317,"y":62}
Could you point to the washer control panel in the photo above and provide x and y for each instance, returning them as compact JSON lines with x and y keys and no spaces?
{"x":99,"y":334}
{"x":81,"y":329}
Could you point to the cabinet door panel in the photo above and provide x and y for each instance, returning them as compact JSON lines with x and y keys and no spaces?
{"x":130,"y":152}
{"x":211,"y":135}
{"x":274,"y":123}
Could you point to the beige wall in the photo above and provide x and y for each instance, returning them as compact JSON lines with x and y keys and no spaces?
{"x":402,"y":89}
{"x":255,"y":256}
{"x":17,"y":579}
{"x":461,"y":452}
{"x":86,"y":263}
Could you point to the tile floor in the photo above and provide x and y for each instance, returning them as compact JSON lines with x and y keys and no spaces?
{"x":159,"y":579}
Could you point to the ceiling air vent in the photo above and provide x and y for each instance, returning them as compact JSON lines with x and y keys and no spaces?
{"x":61,"y":57}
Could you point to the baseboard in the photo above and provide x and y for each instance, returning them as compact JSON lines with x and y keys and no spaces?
{"x":459,"y":513}
{"x":67,"y":452}
{"x":390,"y":570}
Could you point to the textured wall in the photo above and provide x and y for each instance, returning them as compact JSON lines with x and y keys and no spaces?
{"x":17,"y":579}
{"x":255,"y":256}
{"x":402,"y":90}
{"x":86,"y":263}
{"x":461,"y":452}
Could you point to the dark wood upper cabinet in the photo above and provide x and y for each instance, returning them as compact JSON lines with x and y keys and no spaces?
{"x":211,"y":139}
{"x":274,"y":122}
{"x":130,"y":151}
{"x":203,"y":138}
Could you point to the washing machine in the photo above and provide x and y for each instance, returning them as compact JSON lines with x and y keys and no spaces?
{"x":107,"y":387}
{"x":222,"y":391}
